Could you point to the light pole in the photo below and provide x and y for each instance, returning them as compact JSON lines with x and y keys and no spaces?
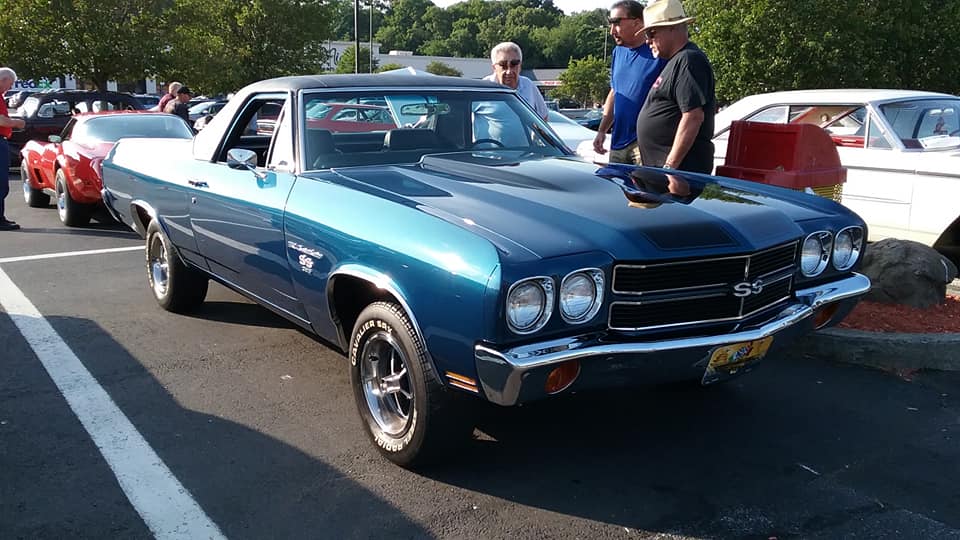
{"x":356,"y":36}
{"x":371,"y":36}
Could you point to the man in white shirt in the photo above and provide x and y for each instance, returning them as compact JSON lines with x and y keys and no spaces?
{"x":507,"y":61}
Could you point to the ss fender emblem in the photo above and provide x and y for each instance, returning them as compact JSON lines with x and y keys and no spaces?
{"x":744,"y":288}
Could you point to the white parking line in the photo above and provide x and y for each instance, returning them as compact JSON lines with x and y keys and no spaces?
{"x":161,"y":500}
{"x":68,"y":254}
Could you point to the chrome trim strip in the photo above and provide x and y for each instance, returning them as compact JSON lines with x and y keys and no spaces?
{"x":502,"y":372}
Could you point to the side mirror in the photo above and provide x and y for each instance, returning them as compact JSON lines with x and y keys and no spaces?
{"x":244,"y":159}
{"x":54,"y":139}
{"x":46,"y":111}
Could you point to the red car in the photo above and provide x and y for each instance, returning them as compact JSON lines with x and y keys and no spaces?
{"x":68,"y":167}
{"x":350,"y":117}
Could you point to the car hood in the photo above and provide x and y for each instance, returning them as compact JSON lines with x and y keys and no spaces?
{"x":541,"y":208}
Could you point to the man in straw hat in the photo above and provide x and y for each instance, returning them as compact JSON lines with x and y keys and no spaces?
{"x":632,"y":71}
{"x":675,"y":125}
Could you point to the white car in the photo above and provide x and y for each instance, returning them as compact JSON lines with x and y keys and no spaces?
{"x":901,"y":149}
{"x":577,"y":137}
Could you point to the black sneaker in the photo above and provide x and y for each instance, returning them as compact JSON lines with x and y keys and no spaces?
{"x":6,"y":225}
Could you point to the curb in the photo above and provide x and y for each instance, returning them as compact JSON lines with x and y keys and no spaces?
{"x":886,"y":350}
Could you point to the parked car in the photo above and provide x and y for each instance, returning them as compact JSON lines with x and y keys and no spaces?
{"x":901,"y":149}
{"x":148,"y":101}
{"x":451,"y":264}
{"x":67,"y":167}
{"x":47,"y":113}
{"x":205,"y":108}
{"x":16,"y":97}
{"x":577,"y":137}
{"x":350,"y":117}
{"x":590,"y":119}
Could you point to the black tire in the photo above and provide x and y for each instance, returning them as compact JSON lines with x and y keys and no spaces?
{"x":72,"y":213}
{"x":175,"y":286}
{"x":34,"y":197}
{"x":435,"y":420}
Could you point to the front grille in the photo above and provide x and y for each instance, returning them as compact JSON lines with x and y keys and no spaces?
{"x":702,"y":290}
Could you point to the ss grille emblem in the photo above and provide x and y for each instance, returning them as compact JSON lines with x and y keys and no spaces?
{"x":745,"y":288}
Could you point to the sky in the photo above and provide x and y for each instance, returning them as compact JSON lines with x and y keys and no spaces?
{"x":567,"y":6}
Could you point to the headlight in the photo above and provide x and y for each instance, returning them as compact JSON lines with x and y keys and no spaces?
{"x":581,"y":294}
{"x":816,"y":253}
{"x":847,"y":247}
{"x":530,"y":304}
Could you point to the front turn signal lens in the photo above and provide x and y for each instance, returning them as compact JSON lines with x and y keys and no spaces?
{"x":562,"y":377}
{"x":824,"y":315}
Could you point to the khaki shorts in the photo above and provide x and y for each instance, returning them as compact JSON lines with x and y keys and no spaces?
{"x":628,"y":154}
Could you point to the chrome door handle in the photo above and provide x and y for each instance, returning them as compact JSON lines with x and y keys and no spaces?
{"x":198,"y":183}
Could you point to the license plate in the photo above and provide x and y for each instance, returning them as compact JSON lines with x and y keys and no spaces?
{"x":730,"y":358}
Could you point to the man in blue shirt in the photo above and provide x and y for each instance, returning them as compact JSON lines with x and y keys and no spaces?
{"x":632,"y":72}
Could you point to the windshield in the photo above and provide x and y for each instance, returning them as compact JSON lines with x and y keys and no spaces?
{"x":376,"y":128}
{"x":114,"y":127}
{"x":928,"y":124}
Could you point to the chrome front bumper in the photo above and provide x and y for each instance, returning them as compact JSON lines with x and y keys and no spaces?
{"x":503,"y":373}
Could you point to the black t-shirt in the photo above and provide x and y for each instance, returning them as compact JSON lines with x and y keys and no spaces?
{"x":686,"y":83}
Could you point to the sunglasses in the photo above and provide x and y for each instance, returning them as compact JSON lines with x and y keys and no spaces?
{"x":616,"y":20}
{"x":512,"y":63}
{"x":652,"y":33}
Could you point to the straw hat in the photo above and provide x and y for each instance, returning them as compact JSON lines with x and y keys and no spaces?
{"x":664,"y":13}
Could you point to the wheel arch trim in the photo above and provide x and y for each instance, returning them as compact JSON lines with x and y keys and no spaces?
{"x":380,"y":281}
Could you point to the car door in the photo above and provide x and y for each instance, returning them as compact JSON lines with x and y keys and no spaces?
{"x":879,"y":187}
{"x":51,"y":151}
{"x":237,"y":214}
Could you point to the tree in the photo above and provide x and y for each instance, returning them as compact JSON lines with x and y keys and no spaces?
{"x":222,"y":45}
{"x":346,"y":63}
{"x":586,"y":80}
{"x":439,"y":68}
{"x":95,"y":41}
{"x":390,"y":67}
{"x":767,"y":45}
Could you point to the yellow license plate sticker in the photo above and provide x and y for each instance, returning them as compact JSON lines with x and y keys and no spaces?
{"x":731,"y":356}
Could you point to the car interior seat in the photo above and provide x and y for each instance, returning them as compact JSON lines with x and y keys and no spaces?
{"x":319,"y":148}
{"x":410,"y":139}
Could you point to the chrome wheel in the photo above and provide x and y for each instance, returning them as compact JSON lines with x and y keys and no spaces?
{"x":62,"y":201}
{"x":158,"y":264}
{"x":386,"y":383}
{"x":25,"y":177}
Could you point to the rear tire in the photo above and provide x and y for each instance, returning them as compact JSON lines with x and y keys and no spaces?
{"x":72,"y":213}
{"x":406,"y":411}
{"x":34,"y":197}
{"x":175,"y":286}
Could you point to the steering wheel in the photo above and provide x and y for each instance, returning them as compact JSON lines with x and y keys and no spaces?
{"x":491,"y":141}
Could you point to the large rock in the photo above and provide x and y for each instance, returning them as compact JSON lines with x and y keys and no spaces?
{"x":907,"y":272}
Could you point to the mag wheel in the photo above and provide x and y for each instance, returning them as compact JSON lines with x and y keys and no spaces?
{"x":34,"y":198}
{"x":175,"y":286}
{"x":408,"y":414}
{"x":72,"y":213}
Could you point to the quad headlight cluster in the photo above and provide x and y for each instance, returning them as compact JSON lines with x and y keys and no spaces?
{"x":823,"y":248}
{"x":530,"y":302}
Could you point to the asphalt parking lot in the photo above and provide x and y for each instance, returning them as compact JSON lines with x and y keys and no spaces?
{"x":255,"y":422}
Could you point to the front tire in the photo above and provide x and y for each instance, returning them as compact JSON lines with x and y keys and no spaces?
{"x":407,"y":413}
{"x":34,"y":198}
{"x":72,"y":213}
{"x":175,"y":286}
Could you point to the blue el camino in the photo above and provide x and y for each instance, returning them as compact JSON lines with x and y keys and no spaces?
{"x":459,"y":250}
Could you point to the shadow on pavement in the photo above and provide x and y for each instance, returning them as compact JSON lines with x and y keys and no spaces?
{"x":251,"y":485}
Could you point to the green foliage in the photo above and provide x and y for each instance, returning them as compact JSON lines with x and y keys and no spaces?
{"x":768,"y":45}
{"x":586,"y":80}
{"x":94,"y":40}
{"x":390,"y":67}
{"x":222,"y":45}
{"x":439,"y":68}
{"x":346,"y":63}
